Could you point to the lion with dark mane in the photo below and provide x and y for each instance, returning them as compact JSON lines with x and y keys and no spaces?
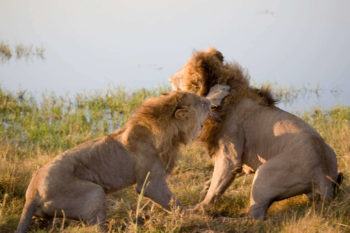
{"x":287,"y":155}
{"x":75,"y":183}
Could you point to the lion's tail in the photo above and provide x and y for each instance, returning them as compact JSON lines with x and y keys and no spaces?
{"x":27,"y":214}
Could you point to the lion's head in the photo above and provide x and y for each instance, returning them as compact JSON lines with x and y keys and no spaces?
{"x":190,"y":114}
{"x":199,"y":73}
{"x":177,"y":113}
{"x":165,"y":122}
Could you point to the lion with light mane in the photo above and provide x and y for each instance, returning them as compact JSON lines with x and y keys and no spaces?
{"x":75,"y":183}
{"x":287,"y":155}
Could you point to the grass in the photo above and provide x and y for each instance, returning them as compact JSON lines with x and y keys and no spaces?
{"x":32,"y":133}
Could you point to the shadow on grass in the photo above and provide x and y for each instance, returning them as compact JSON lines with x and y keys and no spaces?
{"x":229,"y":214}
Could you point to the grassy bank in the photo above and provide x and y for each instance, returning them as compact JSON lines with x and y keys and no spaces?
{"x":32,"y":133}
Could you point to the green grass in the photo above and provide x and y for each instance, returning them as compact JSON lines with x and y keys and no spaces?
{"x":32,"y":133}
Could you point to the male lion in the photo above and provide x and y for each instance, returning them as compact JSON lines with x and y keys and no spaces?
{"x":287,"y":155}
{"x":75,"y":183}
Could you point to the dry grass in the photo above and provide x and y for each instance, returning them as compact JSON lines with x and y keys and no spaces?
{"x":31,"y":134}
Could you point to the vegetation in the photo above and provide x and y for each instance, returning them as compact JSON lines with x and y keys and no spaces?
{"x":20,"y":51}
{"x":32,"y":133}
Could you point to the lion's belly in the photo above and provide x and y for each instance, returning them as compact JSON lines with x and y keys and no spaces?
{"x":251,"y":162}
{"x":114,"y":173}
{"x":117,"y":179}
{"x":261,"y":148}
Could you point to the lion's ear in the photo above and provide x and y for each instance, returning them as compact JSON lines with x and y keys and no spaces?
{"x":182,"y":113}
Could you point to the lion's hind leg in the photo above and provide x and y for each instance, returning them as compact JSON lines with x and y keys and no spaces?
{"x":326,"y":186}
{"x":275,"y":180}
{"x":81,"y":200}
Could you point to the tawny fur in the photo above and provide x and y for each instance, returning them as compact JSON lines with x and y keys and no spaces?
{"x":206,"y":69}
{"x":288,"y":156}
{"x":75,"y":183}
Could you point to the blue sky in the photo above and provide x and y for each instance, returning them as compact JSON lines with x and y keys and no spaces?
{"x":92,"y":44}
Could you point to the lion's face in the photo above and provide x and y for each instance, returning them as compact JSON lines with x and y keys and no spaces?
{"x":193,"y":110}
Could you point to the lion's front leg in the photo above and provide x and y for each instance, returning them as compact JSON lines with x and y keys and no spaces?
{"x":155,"y":187}
{"x":226,"y":166}
{"x":222,"y":177}
{"x":157,"y":190}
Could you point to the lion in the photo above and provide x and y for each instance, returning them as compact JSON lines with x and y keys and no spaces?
{"x":286,"y":154}
{"x":75,"y":183}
